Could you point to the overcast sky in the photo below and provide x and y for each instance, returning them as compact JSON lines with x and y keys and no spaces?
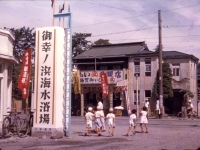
{"x":120,"y":21}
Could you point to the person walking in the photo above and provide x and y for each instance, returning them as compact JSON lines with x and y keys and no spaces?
{"x":111,"y":122}
{"x":88,"y":121}
{"x":100,"y":105}
{"x":98,"y":117}
{"x":132,"y":122}
{"x":144,"y":119}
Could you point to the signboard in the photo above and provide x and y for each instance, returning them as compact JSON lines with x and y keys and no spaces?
{"x":93,"y":77}
{"x":49,"y":78}
{"x":104,"y":84}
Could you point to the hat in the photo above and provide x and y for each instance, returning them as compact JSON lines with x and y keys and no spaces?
{"x":146,"y":99}
{"x":89,"y":108}
{"x":111,"y":110}
{"x":189,"y":101}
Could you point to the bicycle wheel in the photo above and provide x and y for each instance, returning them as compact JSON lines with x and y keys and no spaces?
{"x":181,"y":115}
{"x":194,"y":115}
{"x":78,"y":113}
{"x":5,"y":127}
{"x":23,"y":128}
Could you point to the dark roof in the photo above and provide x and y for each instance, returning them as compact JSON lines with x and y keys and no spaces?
{"x":178,"y":55}
{"x":173,"y":53}
{"x":113,"y":50}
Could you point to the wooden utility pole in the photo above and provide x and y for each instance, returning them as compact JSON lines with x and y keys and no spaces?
{"x":160,"y":63}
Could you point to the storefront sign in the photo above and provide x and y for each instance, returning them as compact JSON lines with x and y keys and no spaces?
{"x":24,"y":78}
{"x":104,"y":84}
{"x":93,"y":77}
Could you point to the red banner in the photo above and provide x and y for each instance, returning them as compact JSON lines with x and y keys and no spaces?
{"x":24,"y":78}
{"x":104,"y":84}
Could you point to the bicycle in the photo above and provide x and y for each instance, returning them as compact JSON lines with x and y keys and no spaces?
{"x":26,"y":124}
{"x":183,"y":114}
{"x":10,"y":123}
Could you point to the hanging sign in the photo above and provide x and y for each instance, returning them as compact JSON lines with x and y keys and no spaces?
{"x":104,"y":84}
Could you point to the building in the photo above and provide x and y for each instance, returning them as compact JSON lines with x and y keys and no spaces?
{"x":137,"y":66}
{"x":6,"y":62}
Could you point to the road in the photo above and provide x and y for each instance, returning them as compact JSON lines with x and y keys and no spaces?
{"x":167,"y":133}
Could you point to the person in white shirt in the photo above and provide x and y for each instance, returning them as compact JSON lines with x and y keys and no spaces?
{"x":88,"y":120}
{"x":98,"y":116}
{"x":111,"y":122}
{"x":146,"y":103}
{"x":100,"y":105}
{"x":144,"y":119}
{"x":132,"y":122}
{"x":189,"y":108}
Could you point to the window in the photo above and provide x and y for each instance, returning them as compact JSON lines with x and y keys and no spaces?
{"x":116,"y":67}
{"x":1,"y":68}
{"x":90,"y":67}
{"x":147,"y":93}
{"x":175,"y":69}
{"x":148,"y":66}
{"x":103,"y":68}
{"x":135,"y":97}
{"x":137,"y":66}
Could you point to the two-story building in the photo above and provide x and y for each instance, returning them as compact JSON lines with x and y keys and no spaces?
{"x":6,"y":62}
{"x":133,"y":67}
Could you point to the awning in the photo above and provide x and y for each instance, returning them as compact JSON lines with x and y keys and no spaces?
{"x":122,"y":83}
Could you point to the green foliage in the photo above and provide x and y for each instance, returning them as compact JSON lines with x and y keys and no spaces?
{"x":186,"y":93}
{"x":102,"y":42}
{"x":157,"y":48}
{"x":79,"y":43}
{"x":167,"y":83}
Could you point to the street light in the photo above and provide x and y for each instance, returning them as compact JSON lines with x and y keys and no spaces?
{"x":137,"y":94}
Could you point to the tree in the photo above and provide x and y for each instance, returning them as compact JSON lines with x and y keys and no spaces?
{"x":24,"y":38}
{"x":157,"y":48}
{"x":167,"y":83}
{"x":102,"y":42}
{"x":80,"y":44}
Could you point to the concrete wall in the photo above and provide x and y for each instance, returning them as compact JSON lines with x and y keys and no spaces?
{"x":6,"y":49}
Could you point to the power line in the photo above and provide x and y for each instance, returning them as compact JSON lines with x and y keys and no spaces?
{"x":114,"y":20}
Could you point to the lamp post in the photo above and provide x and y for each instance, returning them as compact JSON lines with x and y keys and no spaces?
{"x":137,"y":94}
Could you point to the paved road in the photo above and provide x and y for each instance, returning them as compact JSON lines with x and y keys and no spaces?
{"x":167,"y":133}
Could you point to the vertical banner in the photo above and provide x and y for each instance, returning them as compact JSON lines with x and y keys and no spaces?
{"x":24,"y":78}
{"x":104,"y":84}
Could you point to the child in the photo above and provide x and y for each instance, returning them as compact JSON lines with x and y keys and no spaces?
{"x":99,"y":124}
{"x":111,"y":122}
{"x":132,"y":122}
{"x":88,"y":120}
{"x":144,"y":119}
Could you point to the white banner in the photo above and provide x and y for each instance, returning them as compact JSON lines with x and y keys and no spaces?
{"x":93,"y":77}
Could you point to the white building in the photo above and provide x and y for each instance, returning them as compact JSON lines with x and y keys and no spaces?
{"x":6,"y":62}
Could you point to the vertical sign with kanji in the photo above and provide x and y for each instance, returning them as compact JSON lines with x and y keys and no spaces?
{"x":49,"y":78}
{"x":104,"y":84}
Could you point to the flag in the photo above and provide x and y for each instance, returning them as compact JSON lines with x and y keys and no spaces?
{"x":104,"y":84}
{"x":24,"y":77}
{"x":52,"y":2}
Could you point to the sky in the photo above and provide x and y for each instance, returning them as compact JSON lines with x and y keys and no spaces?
{"x":120,"y":21}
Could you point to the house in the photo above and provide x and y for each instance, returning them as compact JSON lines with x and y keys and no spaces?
{"x":135,"y":63}
{"x":6,"y":62}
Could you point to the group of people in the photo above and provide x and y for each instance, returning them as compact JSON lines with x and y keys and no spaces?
{"x":100,"y":119}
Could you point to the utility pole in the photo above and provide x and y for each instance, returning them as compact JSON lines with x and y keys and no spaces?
{"x":160,"y":63}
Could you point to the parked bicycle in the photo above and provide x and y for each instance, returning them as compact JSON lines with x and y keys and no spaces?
{"x":26,"y":123}
{"x":10,"y":123}
{"x":183,"y":114}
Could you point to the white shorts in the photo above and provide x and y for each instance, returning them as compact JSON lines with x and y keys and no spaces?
{"x":110,"y":124}
{"x":89,"y":124}
{"x":131,"y":124}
